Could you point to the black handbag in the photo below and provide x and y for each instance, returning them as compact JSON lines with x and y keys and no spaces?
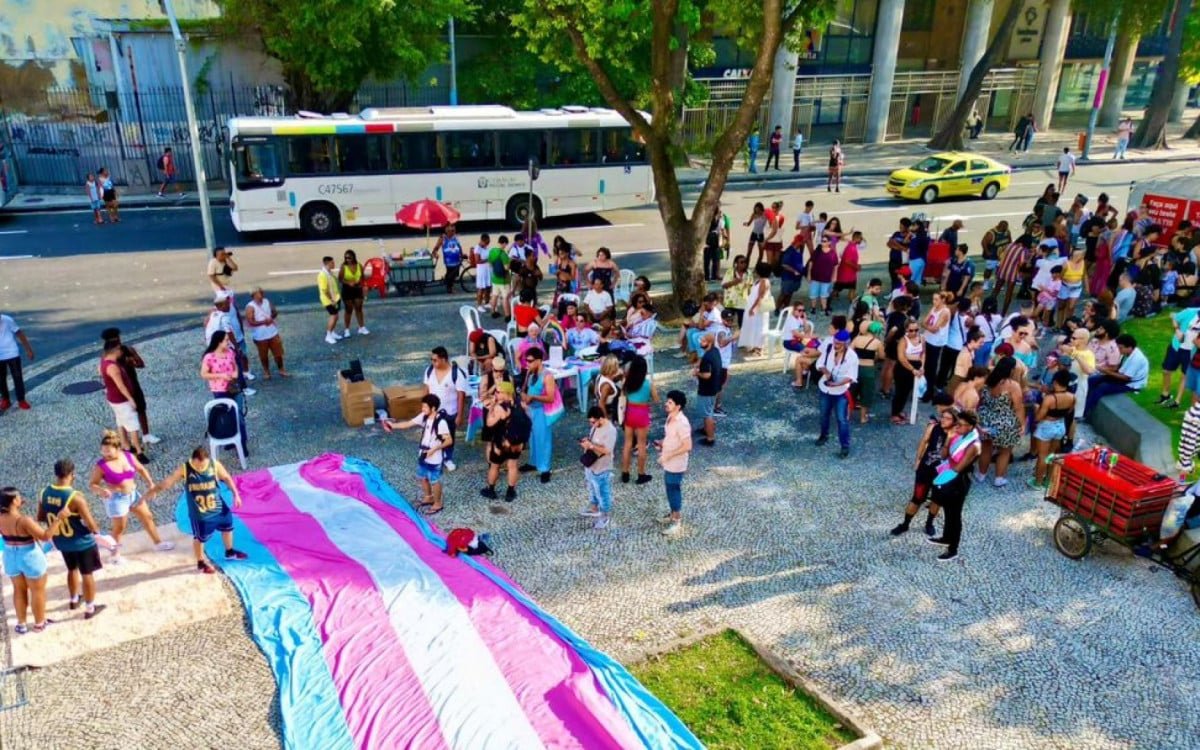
{"x":588,"y":458}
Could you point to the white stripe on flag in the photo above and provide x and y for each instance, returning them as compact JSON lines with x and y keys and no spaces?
{"x":473,"y":701}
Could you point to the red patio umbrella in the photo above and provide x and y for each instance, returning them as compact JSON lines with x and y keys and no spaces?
{"x":426,"y":213}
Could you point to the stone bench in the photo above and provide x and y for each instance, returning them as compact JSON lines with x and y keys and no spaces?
{"x":1131,"y":430}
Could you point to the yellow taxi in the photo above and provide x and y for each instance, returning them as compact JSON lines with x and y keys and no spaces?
{"x":950,"y":174}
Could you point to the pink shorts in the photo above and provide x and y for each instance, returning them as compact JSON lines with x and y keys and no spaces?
{"x":637,"y":416}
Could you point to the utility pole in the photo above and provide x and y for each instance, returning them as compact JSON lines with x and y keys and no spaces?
{"x":193,"y":127}
{"x":1100,"y":85}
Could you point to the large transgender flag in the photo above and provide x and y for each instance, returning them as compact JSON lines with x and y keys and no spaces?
{"x":378,"y":639}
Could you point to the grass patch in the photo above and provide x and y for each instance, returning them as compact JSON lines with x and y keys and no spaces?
{"x":732,"y":700}
{"x":1154,"y":336}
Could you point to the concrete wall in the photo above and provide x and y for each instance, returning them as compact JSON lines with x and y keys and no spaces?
{"x":36,"y":36}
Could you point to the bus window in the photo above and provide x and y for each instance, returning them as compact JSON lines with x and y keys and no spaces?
{"x":256,"y":164}
{"x":415,"y":152}
{"x":309,"y":154}
{"x":361,"y":154}
{"x":469,"y":149}
{"x":573,"y":147}
{"x":620,"y":146}
{"x":517,"y":147}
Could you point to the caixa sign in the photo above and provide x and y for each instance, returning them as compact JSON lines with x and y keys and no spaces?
{"x":736,"y":73}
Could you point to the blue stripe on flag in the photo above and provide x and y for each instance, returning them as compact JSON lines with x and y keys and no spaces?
{"x":281,"y":624}
{"x":654,"y":723}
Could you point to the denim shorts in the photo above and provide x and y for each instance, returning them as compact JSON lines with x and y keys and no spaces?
{"x":707,"y":406}
{"x":819,"y":289}
{"x":1070,"y":291}
{"x":119,"y":504}
{"x":1050,"y":429}
{"x":1192,"y":380}
{"x":429,"y":472}
{"x":24,"y":560}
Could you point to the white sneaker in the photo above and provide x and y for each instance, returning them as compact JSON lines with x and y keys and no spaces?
{"x":450,"y":465}
{"x":978,"y":477}
{"x":116,"y":560}
{"x":346,"y":333}
{"x":331,"y":338}
{"x":601,"y":522}
{"x":672,"y":529}
{"x":1000,"y":482}
{"x":362,"y":331}
{"x":164,"y":546}
{"x":590,"y":513}
{"x":249,"y":391}
{"x":250,"y":376}
{"x":151,"y":439}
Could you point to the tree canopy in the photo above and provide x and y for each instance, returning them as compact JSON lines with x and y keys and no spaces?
{"x":327,"y":48}
{"x":637,"y":53}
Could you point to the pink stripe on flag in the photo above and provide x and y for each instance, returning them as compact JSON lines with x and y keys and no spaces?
{"x":563,"y":701}
{"x":382,"y":699}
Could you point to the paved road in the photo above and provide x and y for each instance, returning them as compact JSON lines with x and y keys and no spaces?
{"x":148,"y":270}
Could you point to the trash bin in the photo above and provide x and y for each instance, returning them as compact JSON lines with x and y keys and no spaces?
{"x":1082,"y":140}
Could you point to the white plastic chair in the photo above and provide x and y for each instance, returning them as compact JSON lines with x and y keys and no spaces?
{"x":624,"y":287}
{"x":470,"y":317}
{"x":511,"y":329}
{"x":215,"y":444}
{"x":510,"y":346}
{"x":555,"y":358}
{"x":774,"y":336}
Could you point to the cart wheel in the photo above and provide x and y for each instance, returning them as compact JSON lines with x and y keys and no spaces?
{"x":466,"y":280}
{"x":1196,"y":592}
{"x":1072,"y":536}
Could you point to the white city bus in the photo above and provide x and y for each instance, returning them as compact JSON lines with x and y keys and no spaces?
{"x":318,"y":173}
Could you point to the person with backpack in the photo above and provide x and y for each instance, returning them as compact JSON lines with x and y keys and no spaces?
{"x":207,"y":510}
{"x":166,"y":165}
{"x":437,"y":436}
{"x":510,"y":429}
{"x":445,"y":380}
{"x":497,"y":259}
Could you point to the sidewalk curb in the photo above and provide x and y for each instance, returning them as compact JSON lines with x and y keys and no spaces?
{"x":134,"y":201}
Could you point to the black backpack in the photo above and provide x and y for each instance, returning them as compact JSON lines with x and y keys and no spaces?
{"x":222,"y":422}
{"x":162,"y":162}
{"x":519,"y":427}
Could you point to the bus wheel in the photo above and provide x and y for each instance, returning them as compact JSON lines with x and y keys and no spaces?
{"x":319,"y":220}
{"x":518,"y":210}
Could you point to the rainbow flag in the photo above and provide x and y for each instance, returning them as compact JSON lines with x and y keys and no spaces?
{"x":378,"y":639}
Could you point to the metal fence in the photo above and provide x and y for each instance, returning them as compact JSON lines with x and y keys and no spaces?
{"x":59,"y":139}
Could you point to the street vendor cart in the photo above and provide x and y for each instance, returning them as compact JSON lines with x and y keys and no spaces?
{"x":1106,"y":496}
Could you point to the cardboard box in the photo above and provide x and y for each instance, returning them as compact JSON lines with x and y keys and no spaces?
{"x":403,"y":401}
{"x":357,"y":400}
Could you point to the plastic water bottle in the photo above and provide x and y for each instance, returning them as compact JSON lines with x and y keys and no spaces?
{"x":1113,"y":458}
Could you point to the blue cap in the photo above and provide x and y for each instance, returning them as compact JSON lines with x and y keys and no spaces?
{"x":842,"y":336}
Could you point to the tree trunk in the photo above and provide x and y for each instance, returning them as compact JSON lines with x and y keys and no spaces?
{"x":1194,"y":130}
{"x":1152,"y":130}
{"x":1118,"y":83}
{"x":686,"y":235}
{"x":950,"y":137}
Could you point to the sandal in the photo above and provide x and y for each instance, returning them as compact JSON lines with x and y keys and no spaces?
{"x":21,"y":629}
{"x":41,"y":626}
{"x":432,"y":511}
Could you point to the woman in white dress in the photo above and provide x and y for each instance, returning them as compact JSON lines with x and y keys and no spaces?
{"x":759,"y":306}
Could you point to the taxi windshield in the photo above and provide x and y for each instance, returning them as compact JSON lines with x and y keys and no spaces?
{"x":931,"y":165}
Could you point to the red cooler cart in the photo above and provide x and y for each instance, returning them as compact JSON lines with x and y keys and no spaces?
{"x":1119,"y":499}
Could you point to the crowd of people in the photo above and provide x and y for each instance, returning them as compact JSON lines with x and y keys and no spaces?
{"x":998,"y":379}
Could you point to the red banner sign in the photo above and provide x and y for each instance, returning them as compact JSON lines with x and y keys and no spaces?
{"x":1167,"y":211}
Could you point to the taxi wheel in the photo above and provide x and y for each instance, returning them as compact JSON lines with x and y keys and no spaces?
{"x":991,"y":191}
{"x":929,"y":194}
